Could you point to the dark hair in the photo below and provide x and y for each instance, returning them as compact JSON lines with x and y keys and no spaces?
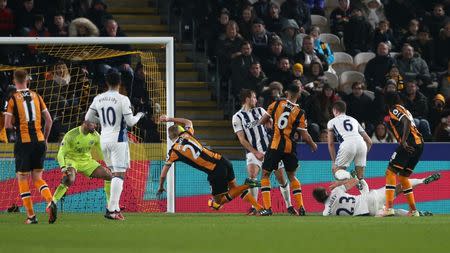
{"x":308,"y":37}
{"x":38,"y":18}
{"x":244,"y":94}
{"x":113,"y":77}
{"x":357,"y":83}
{"x":21,"y":75}
{"x":246,"y":42}
{"x":391,"y":98}
{"x":320,"y":194}
{"x":293,"y":89}
{"x":340,"y":106}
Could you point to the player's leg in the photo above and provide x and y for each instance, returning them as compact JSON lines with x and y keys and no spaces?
{"x":291,"y":163}
{"x":23,"y":171}
{"x":105,"y":174}
{"x":67,"y":180}
{"x":344,"y":157}
{"x":120,"y":159}
{"x":360,"y":164}
{"x":271,"y":160}
{"x":405,"y":182}
{"x":284,"y":188}
{"x":253,"y":167}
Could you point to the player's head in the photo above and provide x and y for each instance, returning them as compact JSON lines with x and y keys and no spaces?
{"x":20,"y":77}
{"x":174,"y":131}
{"x":339,"y":107}
{"x":293,"y":91}
{"x":89,"y":126}
{"x":248,"y":98}
{"x":113,"y":78}
{"x":320,"y":194}
{"x":391,"y":99}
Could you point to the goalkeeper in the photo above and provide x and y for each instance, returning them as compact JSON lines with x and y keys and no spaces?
{"x":75,"y":155}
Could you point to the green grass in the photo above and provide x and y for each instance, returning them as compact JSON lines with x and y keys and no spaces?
{"x":224,"y":233}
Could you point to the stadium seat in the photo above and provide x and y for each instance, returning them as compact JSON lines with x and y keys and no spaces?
{"x":321,"y":22}
{"x":347,"y":79}
{"x":342,"y":62}
{"x":332,"y":40}
{"x":394,"y":54}
{"x":361,"y":60}
{"x":330,"y":5}
{"x":332,"y":79}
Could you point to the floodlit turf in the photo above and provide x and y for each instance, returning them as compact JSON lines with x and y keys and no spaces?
{"x":224,"y":233}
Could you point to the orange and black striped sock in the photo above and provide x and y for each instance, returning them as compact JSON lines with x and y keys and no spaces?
{"x":408,"y":192}
{"x":248,"y":197}
{"x":297,"y":192}
{"x":390,"y":188}
{"x":235,"y":191}
{"x":42,"y":186}
{"x":25,"y":194}
{"x":265,"y":191}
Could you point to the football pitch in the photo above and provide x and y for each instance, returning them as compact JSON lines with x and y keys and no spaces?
{"x":224,"y":233}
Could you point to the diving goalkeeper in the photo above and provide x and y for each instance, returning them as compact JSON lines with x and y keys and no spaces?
{"x":75,"y":156}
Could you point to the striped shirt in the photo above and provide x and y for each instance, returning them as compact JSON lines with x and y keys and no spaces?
{"x":255,"y":134}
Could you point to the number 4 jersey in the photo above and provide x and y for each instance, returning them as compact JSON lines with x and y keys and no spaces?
{"x":341,"y":203}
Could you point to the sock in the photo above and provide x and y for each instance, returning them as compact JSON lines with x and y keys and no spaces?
{"x":297,"y":191}
{"x":25,"y":194}
{"x":247,"y":197}
{"x":401,"y":212}
{"x":415,"y":182}
{"x":42,"y":186}
{"x":286,"y":193}
{"x":254,"y":192}
{"x":234,"y":192}
{"x":265,"y":192}
{"x":408,"y":192}
{"x":107,"y":188}
{"x":365,"y":186}
{"x":59,"y":192}
{"x":390,"y":188}
{"x":116,"y":191}
{"x":342,"y":175}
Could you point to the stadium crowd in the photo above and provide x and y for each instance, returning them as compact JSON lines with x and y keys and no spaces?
{"x":265,"y":45}
{"x":69,"y":18}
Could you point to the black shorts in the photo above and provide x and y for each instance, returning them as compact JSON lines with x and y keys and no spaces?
{"x":273,"y":157}
{"x":221,"y":176}
{"x":403,"y":163}
{"x":29,"y":156}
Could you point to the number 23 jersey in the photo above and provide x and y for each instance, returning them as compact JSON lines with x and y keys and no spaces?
{"x":111,"y":107}
{"x":341,"y":203}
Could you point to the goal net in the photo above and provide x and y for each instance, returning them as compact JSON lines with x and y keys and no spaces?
{"x":68,"y":74}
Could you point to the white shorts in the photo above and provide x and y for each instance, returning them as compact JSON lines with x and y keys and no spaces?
{"x":376,"y":200}
{"x":251,"y":159}
{"x":116,"y":156}
{"x":352,"y":150}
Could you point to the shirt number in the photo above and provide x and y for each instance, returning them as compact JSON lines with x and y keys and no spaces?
{"x":347,"y":125}
{"x":109,"y":116}
{"x":283,"y":120}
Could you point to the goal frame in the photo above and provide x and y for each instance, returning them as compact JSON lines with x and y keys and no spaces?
{"x":168,"y":42}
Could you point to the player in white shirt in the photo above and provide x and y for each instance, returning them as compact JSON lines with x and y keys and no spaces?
{"x":339,"y":202}
{"x":255,"y":140}
{"x":354,"y":143}
{"x":115,"y":114}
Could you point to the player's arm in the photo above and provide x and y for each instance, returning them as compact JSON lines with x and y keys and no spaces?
{"x":365,"y":137}
{"x":406,"y":123}
{"x":48,"y":123}
{"x":97,"y":147}
{"x":128,"y":113}
{"x":64,"y":148}
{"x":9,"y":114}
{"x":308,"y":139}
{"x":248,"y":146}
{"x":348,"y":183}
{"x":91,"y":114}
{"x":179,"y":121}
{"x":331,"y":149}
{"x":162,"y":178}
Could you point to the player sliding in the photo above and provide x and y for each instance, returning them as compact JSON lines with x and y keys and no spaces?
{"x":354,"y":144}
{"x":188,"y":149}
{"x":339,"y":202}
{"x":74,"y":156}
{"x":287,"y":119}
{"x":255,"y":140}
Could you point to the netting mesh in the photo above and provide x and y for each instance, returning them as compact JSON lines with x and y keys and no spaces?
{"x":68,"y":86}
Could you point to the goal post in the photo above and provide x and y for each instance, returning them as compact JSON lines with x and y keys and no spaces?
{"x":167,"y":42}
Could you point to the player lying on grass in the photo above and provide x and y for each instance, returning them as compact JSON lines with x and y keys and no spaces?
{"x":188,"y":149}
{"x":75,"y":155}
{"x":339,"y":202}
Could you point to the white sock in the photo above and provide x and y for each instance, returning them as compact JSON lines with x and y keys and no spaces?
{"x":116,"y":191}
{"x":342,"y":175}
{"x":401,"y":212}
{"x":415,"y":182}
{"x":286,"y":193}
{"x":365,"y":186}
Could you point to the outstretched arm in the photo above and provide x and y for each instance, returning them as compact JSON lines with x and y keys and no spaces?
{"x":264,"y":119}
{"x":331,"y":149}
{"x":348,"y":183}
{"x":367,"y":140}
{"x":162,"y":178}
{"x":180,"y":121}
{"x":307,"y":138}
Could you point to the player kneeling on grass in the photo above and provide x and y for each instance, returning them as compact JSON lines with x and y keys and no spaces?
{"x":188,"y":149}
{"x":75,"y":155}
{"x":369,"y":203}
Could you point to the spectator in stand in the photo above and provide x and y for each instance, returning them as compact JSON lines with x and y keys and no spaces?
{"x":437,"y":110}
{"x":339,"y":17}
{"x":424,"y":46}
{"x":59,"y":28}
{"x":81,"y":8}
{"x":274,"y":22}
{"x":437,"y":20}
{"x":246,"y":22}
{"x":228,"y":48}
{"x":358,"y":104}
{"x":25,"y":17}
{"x":309,"y":54}
{"x":411,"y":34}
{"x":240,"y":66}
{"x":123,"y":63}
{"x":7,"y":24}
{"x":358,"y":33}
{"x":38,"y":29}
{"x":270,"y":94}
{"x":382,"y":135}
{"x":98,"y":14}
{"x":256,"y":79}
{"x":314,"y":77}
{"x":83,"y":27}
{"x":394,"y":74}
{"x":290,"y":35}
{"x":298,"y":11}
{"x":400,"y":12}
{"x":235,"y":7}
{"x":320,"y":46}
{"x":417,"y":105}
{"x":284,"y":73}
{"x":374,"y":12}
{"x":379,"y":106}
{"x":442,"y":133}
{"x":260,"y":37}
{"x":217,"y":28}
{"x":262,"y":8}
{"x":270,"y":59}
{"x":298,"y":71}
{"x":316,"y":7}
{"x":385,"y":34}
{"x":444,"y":82}
{"x":413,"y":67}
{"x":442,"y":49}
